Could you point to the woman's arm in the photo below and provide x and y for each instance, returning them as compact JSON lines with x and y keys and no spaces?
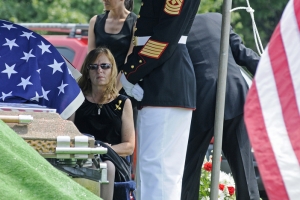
{"x":91,"y":34}
{"x":131,"y":43}
{"x":126,"y":147}
{"x":119,"y":84}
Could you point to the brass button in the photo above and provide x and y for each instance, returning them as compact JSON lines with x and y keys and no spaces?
{"x":132,"y":66}
{"x":139,"y":16}
{"x":134,"y":40}
{"x":125,"y":73}
{"x":135,"y":29}
{"x":140,"y":61}
{"x":142,"y":3}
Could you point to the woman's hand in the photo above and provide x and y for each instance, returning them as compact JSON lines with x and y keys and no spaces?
{"x":107,"y":144}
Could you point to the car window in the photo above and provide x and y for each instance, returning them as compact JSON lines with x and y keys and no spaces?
{"x":66,"y":52}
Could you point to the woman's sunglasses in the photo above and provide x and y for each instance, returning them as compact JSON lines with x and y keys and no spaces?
{"x":96,"y":66}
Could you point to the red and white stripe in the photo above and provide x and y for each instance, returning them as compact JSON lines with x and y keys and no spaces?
{"x":272,"y":109}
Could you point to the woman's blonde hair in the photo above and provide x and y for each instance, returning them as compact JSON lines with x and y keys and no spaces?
{"x":85,"y":82}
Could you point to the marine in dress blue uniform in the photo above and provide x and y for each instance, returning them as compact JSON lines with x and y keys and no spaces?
{"x":161,"y":68}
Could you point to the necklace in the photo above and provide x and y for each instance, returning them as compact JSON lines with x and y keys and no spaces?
{"x":99,"y":106}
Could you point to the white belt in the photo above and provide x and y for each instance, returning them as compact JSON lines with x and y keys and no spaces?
{"x":141,"y":41}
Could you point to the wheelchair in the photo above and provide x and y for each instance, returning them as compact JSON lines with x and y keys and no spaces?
{"x":87,"y":169}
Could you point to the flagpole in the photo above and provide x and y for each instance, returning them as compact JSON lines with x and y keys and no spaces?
{"x":220,"y":101}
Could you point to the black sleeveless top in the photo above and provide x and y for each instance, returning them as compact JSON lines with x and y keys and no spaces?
{"x":105,"y":127}
{"x":118,"y":43}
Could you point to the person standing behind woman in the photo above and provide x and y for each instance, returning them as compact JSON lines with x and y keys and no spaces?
{"x":106,"y":115}
{"x":113,"y":29}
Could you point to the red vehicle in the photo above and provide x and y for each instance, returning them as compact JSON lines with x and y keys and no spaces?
{"x":70,"y":39}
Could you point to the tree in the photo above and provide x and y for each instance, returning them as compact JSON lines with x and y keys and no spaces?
{"x":267,"y":13}
{"x":64,"y":11}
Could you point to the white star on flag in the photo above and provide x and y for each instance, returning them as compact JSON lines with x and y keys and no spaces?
{"x":27,"y":34}
{"x":8,"y":26}
{"x":5,"y":95}
{"x":45,"y":93}
{"x":10,"y":43}
{"x":36,"y":98}
{"x":56,"y":66}
{"x":9,"y":70}
{"x":61,"y":88}
{"x":28,"y":55}
{"x":24,"y":82}
{"x":45,"y":48}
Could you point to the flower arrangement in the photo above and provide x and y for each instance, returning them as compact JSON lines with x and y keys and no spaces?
{"x":226,"y":183}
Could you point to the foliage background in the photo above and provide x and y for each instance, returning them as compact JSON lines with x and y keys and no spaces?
{"x":267,"y":13}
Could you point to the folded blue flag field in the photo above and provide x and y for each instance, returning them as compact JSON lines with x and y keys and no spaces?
{"x":33,"y":71}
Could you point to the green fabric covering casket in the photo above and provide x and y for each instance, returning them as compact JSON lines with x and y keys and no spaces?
{"x":24,"y":174}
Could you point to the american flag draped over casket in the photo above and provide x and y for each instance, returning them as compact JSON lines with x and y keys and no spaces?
{"x":33,"y":71}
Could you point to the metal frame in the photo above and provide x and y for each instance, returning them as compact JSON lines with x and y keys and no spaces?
{"x":72,"y":28}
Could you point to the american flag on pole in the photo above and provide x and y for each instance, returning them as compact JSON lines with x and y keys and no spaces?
{"x":33,"y":71}
{"x":272,"y":109}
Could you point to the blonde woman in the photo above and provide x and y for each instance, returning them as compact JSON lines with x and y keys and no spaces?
{"x":114,"y":29}
{"x":106,"y":115}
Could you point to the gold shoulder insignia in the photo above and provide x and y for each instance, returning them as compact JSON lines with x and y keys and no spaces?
{"x":118,"y":107}
{"x":153,"y":49}
{"x":173,"y":7}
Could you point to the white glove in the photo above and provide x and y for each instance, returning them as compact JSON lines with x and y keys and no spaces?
{"x":137,"y":92}
{"x":126,"y":85}
{"x":134,"y":91}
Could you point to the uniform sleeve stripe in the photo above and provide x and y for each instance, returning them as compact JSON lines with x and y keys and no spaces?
{"x":173,"y":7}
{"x":153,"y":49}
{"x":151,"y":55}
{"x":153,"y":43}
